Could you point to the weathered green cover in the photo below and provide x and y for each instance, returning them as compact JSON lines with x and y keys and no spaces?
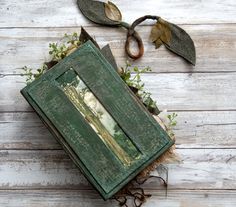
{"x":140,"y":139}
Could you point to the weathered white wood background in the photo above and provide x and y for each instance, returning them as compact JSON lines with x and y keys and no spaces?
{"x":34,"y":170}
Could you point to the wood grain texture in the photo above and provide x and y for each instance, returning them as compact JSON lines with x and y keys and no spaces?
{"x":199,"y":91}
{"x":49,"y":175}
{"x":89,"y":198}
{"x":215,"y":46}
{"x":194,"y":130}
{"x":25,"y":131}
{"x":177,"y":91}
{"x":206,"y":168}
{"x":56,"y":14}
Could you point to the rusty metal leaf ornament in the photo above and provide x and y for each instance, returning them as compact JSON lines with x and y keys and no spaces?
{"x":181,"y":44}
{"x":112,"y":11}
{"x":97,"y":11}
{"x":174,"y":38}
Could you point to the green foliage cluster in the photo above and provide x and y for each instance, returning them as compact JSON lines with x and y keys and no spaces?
{"x":135,"y":80}
{"x":172,"y":123}
{"x":58,"y":51}
{"x":132,"y":77}
{"x":30,"y":75}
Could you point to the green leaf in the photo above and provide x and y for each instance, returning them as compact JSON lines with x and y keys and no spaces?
{"x":112,"y":12}
{"x":126,"y":76}
{"x":95,"y":12}
{"x":181,"y":44}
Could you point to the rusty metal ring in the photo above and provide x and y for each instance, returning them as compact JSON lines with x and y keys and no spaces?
{"x":133,"y":35}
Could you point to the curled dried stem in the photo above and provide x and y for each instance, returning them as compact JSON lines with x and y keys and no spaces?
{"x":136,"y":192}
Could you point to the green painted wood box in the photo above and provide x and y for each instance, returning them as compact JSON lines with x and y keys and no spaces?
{"x":105,"y":129}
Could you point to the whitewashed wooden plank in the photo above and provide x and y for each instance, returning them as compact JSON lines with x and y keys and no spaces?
{"x":194,"y":198}
{"x":11,"y":99}
{"x":88,"y":198}
{"x":25,"y":131}
{"x":59,"y":198}
{"x":192,"y":91}
{"x":215,"y":45}
{"x":42,"y":169}
{"x":198,"y":169}
{"x":211,"y":129}
{"x":177,"y":91}
{"x":65,"y":13}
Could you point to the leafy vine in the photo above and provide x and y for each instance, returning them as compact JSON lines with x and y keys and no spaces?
{"x":170,"y":35}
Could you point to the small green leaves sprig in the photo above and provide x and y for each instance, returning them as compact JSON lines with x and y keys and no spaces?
{"x":135,"y":80}
{"x":69,"y":43}
{"x":137,"y":86}
{"x":57,"y":51}
{"x":172,"y":123}
{"x":30,"y":75}
{"x":164,"y":33}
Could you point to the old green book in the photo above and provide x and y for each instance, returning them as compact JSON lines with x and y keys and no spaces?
{"x":105,"y":129}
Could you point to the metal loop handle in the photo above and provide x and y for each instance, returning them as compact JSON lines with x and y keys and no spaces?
{"x":133,"y":35}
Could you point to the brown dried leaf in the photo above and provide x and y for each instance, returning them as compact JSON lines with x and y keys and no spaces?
{"x":166,"y":35}
{"x":155,"y":32}
{"x":112,"y":12}
{"x":160,"y":33}
{"x":158,"y":43}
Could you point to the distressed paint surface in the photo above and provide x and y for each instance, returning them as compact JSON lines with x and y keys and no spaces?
{"x":98,"y":117}
{"x":104,"y":162}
